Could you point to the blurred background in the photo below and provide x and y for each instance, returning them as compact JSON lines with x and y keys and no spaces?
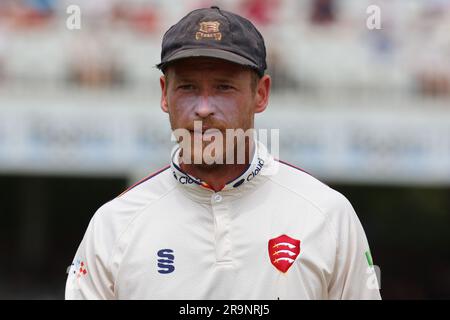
{"x":367,"y":111}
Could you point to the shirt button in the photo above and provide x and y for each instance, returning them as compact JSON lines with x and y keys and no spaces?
{"x":217,"y":198}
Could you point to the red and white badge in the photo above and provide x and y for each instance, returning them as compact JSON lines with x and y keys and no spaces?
{"x":283,"y":251}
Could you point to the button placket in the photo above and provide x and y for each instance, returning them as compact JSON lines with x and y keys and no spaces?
{"x":221,"y":228}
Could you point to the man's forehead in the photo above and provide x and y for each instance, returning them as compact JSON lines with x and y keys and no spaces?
{"x":201,"y":64}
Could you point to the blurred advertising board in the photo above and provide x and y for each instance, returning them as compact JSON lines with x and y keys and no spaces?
{"x":370,"y":146}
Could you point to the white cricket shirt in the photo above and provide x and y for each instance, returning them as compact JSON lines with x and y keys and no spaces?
{"x":274,"y":232}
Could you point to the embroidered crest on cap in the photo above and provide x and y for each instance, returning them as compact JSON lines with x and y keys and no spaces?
{"x":209,"y":29}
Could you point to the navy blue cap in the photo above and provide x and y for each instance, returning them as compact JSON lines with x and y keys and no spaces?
{"x":212,"y":32}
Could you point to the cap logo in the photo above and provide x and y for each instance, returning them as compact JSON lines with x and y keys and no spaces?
{"x":209,"y":29}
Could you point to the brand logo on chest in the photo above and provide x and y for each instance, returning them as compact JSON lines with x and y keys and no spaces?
{"x":165,"y":261}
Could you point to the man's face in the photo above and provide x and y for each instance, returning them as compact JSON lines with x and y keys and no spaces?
{"x":220,"y":94}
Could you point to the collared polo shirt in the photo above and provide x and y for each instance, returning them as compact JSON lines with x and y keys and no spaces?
{"x":274,"y":232}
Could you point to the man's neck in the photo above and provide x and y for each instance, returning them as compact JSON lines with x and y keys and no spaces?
{"x":218,"y":175}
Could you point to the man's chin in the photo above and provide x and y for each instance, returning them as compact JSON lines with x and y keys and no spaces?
{"x":201,"y":160}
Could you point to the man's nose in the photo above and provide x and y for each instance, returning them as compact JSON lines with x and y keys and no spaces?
{"x":204,"y":106}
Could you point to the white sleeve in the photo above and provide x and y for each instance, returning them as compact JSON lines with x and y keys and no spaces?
{"x":354,"y":277}
{"x":89,"y":276}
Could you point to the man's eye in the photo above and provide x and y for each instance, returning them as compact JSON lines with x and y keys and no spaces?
{"x":224,"y":87}
{"x":186,"y":87}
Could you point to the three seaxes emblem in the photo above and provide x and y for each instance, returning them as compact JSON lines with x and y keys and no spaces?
{"x":283,"y":251}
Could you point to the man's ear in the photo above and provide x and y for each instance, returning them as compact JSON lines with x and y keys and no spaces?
{"x":163,"y":83}
{"x":262,"y":93}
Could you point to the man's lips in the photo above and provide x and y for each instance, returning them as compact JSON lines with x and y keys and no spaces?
{"x":210,"y":130}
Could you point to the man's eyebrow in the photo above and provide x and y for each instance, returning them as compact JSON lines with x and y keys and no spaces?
{"x":183,"y":79}
{"x":230,"y":79}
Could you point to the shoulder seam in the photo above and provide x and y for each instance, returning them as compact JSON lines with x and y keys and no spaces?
{"x":302,"y":170}
{"x":292,"y":166}
{"x":144,"y":179}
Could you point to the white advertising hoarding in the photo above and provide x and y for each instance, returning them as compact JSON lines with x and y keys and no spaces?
{"x":370,"y":146}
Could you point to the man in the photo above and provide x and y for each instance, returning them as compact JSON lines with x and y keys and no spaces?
{"x":243,"y":226}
